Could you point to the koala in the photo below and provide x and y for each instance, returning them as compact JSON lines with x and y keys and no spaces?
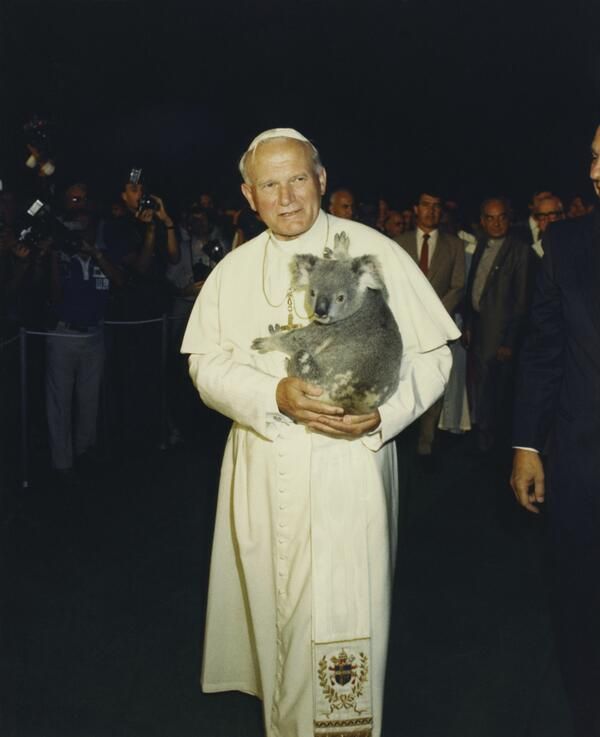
{"x":352,"y":348}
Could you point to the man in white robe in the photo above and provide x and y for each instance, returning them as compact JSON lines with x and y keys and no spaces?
{"x":305,"y":537}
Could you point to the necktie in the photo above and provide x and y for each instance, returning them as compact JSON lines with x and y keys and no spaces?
{"x":424,"y":259}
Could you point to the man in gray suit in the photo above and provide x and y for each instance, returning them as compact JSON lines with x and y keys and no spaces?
{"x":495,"y":312}
{"x":441,"y":257}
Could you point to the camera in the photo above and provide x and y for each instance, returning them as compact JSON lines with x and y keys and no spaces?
{"x":147,"y":202}
{"x":135,"y":176}
{"x":39,"y":136}
{"x":36,"y":225}
{"x":214,"y":250}
{"x":40,"y":224}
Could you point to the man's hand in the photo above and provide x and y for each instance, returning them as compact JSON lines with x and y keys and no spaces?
{"x":527,"y":479}
{"x":21,"y":251}
{"x":348,"y":426}
{"x":161,"y":213}
{"x":504,"y":353}
{"x":297,"y":399}
{"x":145,"y":216}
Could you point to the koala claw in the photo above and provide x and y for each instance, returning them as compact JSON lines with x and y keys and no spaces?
{"x":275,"y":328}
{"x":259,"y":344}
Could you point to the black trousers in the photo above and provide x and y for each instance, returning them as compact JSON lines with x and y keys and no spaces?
{"x":576,"y":614}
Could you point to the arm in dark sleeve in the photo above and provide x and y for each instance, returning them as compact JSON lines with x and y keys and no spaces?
{"x":519,"y":295}
{"x":541,"y":362}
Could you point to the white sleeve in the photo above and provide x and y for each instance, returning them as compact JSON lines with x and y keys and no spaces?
{"x":423,"y":378}
{"x":236,"y":389}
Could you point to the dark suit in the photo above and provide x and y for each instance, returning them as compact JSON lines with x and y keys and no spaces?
{"x":558,"y":409}
{"x":446,"y":275}
{"x":499,"y":322}
{"x":524,"y":231}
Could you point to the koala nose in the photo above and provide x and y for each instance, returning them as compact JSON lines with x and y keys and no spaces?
{"x":322,"y":307}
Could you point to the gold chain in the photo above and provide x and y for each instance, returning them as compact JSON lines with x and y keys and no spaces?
{"x":289,"y":294}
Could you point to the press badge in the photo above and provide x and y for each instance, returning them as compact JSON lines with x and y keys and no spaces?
{"x":100,"y":278}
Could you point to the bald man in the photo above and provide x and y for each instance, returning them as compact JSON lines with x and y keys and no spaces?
{"x":341,"y":204}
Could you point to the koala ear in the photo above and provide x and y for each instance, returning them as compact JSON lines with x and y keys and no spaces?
{"x":368,"y":273}
{"x":301,"y":267}
{"x":341,"y":243}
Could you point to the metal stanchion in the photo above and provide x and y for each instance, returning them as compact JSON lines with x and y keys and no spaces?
{"x":164,"y":346}
{"x":23,"y":387}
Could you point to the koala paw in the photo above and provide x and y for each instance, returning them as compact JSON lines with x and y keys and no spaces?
{"x":273,"y":329}
{"x":260,"y":345}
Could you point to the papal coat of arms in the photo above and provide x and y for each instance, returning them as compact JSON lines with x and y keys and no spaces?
{"x":342,"y":679}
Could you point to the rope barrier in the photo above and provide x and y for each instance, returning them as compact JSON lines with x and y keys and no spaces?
{"x":8,"y":342}
{"x":52,"y":334}
{"x":133,"y":322}
{"x":24,"y":413}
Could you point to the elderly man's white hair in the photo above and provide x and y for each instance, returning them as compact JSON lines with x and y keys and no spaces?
{"x":270,"y":135}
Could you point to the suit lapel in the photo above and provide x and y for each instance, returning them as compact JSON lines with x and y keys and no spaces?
{"x":498,"y":261}
{"x":439,"y":255}
{"x":412,"y":245}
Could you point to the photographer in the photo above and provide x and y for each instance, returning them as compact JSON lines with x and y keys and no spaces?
{"x":143,"y":243}
{"x":23,"y":272}
{"x":202,"y":246}
{"x":80,"y":275}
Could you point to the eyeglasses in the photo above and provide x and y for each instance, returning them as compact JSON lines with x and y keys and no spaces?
{"x":548,"y":215}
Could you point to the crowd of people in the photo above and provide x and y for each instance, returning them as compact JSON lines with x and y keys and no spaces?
{"x":291,"y":490}
{"x":83,"y":260}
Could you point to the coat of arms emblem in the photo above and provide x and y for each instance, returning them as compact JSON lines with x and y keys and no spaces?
{"x":342,"y":679}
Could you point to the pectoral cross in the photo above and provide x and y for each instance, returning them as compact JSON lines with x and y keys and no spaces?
{"x":290,"y":306}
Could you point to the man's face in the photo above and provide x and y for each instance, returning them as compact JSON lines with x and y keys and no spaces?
{"x":428,"y":212}
{"x":394,"y":224}
{"x":342,"y":205}
{"x":577,"y":208}
{"x":494,"y":219}
{"x":285,"y":190}
{"x":595,"y":165}
{"x":199,"y":225}
{"x":548,"y":211}
{"x":132,"y":195}
{"x":206,"y":201}
{"x":537,"y":198}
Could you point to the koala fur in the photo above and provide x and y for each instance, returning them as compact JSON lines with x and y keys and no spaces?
{"x":352,"y":348}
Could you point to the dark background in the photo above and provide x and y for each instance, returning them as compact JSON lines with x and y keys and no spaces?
{"x":475,"y":97}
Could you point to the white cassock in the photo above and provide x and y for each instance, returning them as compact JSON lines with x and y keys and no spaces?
{"x":305,"y":536}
